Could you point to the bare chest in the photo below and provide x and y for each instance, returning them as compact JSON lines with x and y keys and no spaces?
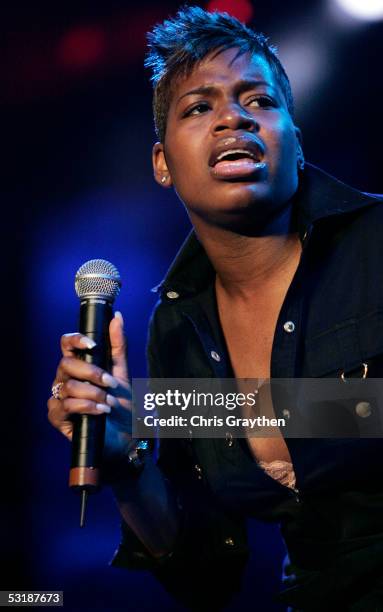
{"x":249,"y":335}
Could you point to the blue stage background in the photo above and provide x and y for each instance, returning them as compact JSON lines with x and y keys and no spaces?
{"x":79,"y":135}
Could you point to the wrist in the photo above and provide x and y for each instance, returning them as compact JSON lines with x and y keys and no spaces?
{"x":127,"y":465}
{"x":136,"y":455}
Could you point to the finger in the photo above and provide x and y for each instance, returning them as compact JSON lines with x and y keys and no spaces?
{"x":73,"y":405}
{"x":70,"y":342}
{"x":80,"y":390}
{"x":118,"y":347}
{"x":58,"y":418}
{"x":76,"y":368}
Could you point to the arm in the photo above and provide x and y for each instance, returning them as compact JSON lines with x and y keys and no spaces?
{"x":146,"y":502}
{"x":148,"y":506}
{"x":171,"y":525}
{"x":202,"y":570}
{"x":202,"y":567}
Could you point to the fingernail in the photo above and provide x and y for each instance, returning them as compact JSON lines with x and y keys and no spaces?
{"x":103,"y":408}
{"x":109,"y":381}
{"x":88,"y":342}
{"x":119,"y":316}
{"x":111,"y":401}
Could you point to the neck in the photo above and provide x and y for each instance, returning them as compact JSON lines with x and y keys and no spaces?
{"x":244,"y":263}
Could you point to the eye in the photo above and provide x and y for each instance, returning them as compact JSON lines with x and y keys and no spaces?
{"x":262,"y":102}
{"x":197,"y":109}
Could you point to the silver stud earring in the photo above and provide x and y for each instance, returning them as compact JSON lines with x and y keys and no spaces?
{"x":301,"y":158}
{"x":164,"y":179}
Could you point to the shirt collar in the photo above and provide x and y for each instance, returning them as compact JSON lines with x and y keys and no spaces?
{"x":319,"y":196}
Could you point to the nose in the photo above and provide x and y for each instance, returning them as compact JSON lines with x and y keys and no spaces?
{"x":234,"y":117}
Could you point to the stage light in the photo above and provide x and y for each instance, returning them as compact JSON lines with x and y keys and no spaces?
{"x":366,"y":10}
{"x":306,"y":63}
{"x":241,"y":9}
{"x":82,"y":47}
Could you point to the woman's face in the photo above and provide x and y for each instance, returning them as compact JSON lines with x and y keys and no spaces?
{"x":231,"y":146}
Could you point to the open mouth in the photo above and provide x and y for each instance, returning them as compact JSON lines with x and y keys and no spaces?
{"x":235,"y":155}
{"x":237,"y":164}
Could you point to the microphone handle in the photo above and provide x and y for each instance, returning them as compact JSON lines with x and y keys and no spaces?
{"x":89,"y":430}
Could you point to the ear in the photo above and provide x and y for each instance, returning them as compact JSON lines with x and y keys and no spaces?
{"x":160,"y":167}
{"x":300,"y":154}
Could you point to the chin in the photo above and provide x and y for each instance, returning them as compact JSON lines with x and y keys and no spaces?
{"x":241,"y":196}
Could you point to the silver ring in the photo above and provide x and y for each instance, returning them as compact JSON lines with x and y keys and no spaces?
{"x":56,"y":390}
{"x":364,"y":375}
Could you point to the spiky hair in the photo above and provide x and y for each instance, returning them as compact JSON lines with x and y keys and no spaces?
{"x":178,"y":44}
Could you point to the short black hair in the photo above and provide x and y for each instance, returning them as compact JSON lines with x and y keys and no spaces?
{"x":178,"y":44}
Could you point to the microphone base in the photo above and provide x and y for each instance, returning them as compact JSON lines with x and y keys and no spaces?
{"x":88,"y":477}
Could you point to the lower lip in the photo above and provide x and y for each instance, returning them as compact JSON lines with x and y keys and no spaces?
{"x":238,"y":169}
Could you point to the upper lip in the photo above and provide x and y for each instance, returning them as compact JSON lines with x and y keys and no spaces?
{"x":246,"y":143}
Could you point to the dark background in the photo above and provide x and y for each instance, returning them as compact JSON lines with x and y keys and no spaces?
{"x":77,"y":136}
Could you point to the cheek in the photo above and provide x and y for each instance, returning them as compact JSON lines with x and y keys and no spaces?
{"x":283,"y":159}
{"x":185,"y":158}
{"x":286,"y":142}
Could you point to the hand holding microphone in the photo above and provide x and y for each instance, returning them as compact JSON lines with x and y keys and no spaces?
{"x":92,"y":380}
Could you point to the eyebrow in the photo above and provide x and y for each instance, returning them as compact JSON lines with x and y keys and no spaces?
{"x":240,"y":87}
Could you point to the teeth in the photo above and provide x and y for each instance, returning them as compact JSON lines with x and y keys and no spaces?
{"x":233,"y":151}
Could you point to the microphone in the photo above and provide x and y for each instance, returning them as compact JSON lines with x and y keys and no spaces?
{"x":97,"y":284}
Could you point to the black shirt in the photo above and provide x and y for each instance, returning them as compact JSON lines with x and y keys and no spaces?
{"x":334,"y":528}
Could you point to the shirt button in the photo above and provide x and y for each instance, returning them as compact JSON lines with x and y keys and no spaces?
{"x":286,"y":413}
{"x":229,"y":542}
{"x":229,"y":438}
{"x":363,"y":409}
{"x":198,"y":469}
{"x":172,"y":295}
{"x":215,"y":356}
{"x":289,"y":327}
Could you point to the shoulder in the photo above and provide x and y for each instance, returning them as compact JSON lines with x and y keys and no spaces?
{"x":376,"y":196}
{"x":361,"y":220}
{"x":165,"y":315}
{"x":369,"y":218}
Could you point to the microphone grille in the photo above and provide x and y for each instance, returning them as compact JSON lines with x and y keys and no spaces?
{"x":98,"y":278}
